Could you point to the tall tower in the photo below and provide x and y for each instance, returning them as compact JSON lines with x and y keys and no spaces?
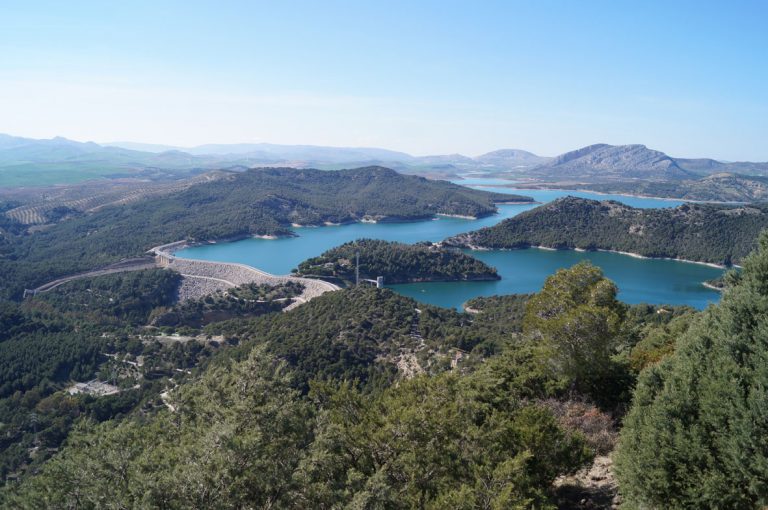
{"x":357,"y":268}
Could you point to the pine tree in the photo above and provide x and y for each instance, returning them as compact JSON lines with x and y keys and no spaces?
{"x":695,"y":436}
{"x":578,"y":319}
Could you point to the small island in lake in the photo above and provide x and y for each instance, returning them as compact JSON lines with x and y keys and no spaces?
{"x":397,"y":263}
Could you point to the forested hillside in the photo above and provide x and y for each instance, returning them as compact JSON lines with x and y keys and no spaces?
{"x":103,"y":328}
{"x":699,"y":232}
{"x":303,"y":413}
{"x":397,"y":263}
{"x":366,"y":334}
{"x":257,"y":202}
{"x":721,"y":187}
{"x":363,"y":397}
{"x":60,"y":337}
{"x":95,"y":328}
{"x":243,"y":437}
{"x":490,"y":406}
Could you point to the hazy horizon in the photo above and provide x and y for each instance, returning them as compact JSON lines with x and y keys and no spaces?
{"x":119,"y":143}
{"x":687,"y":79}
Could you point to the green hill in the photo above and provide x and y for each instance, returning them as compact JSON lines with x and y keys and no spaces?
{"x":397,"y":263}
{"x":256,"y":202}
{"x":721,"y":187}
{"x":700,"y":232}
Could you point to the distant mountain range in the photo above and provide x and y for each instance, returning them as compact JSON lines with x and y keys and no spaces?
{"x":274,"y":152}
{"x":602,"y":162}
{"x":505,"y":159}
{"x":318,"y":156}
{"x":511,"y":158}
{"x":30,"y":162}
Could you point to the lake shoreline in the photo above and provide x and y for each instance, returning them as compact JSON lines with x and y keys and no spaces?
{"x":384,"y":220}
{"x":604,"y":193}
{"x":305,"y":243}
{"x":387,"y":282}
{"x":474,"y":247}
{"x":446,"y":279}
{"x":713,"y":287}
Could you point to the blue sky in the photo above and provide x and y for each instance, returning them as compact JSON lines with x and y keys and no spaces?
{"x":688,"y":78}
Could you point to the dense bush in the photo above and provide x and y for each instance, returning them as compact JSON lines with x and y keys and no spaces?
{"x":578,"y":321}
{"x":355,"y":334}
{"x":695,"y":435}
{"x":243,"y":437}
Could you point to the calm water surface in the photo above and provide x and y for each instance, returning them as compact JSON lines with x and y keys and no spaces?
{"x":547,"y":195}
{"x":639,"y":280}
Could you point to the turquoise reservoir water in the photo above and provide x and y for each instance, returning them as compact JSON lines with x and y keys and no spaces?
{"x":639,"y":280}
{"x":547,"y":195}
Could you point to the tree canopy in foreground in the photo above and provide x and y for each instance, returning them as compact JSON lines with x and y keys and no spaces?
{"x":696,"y":433}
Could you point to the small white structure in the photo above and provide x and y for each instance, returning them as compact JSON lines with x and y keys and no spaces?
{"x":94,"y":387}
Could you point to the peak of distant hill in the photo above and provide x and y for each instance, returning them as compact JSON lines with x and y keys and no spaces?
{"x":144,"y":147}
{"x":307,"y":153}
{"x":706,"y":166}
{"x":610,"y":162}
{"x":446,"y":159}
{"x":511,"y":159}
{"x":18,"y":149}
{"x":31,"y":162}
